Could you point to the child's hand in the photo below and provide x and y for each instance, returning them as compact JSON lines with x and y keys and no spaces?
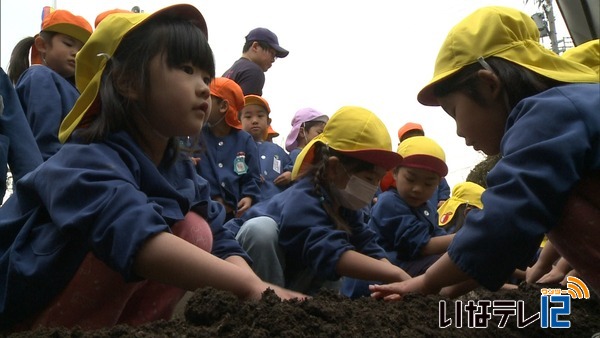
{"x":552,"y":277}
{"x":285,"y":294}
{"x":283,"y":179}
{"x":535,"y":272}
{"x":395,"y":291}
{"x":243,"y":205}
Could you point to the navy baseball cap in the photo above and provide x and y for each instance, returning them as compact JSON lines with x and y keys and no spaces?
{"x":265,"y":35}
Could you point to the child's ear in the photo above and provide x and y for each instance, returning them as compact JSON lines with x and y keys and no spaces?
{"x":40,"y":44}
{"x":224,"y":106}
{"x":126,"y":89}
{"x":492,"y":86}
{"x":269,"y":121}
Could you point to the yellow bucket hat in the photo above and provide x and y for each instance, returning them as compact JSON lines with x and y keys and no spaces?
{"x":587,"y":54}
{"x":356,"y":132}
{"x":422,"y":152}
{"x":505,"y":33}
{"x":462,"y":193}
{"x":104,"y":41}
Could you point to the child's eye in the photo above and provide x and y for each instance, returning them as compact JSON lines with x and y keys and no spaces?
{"x":187,"y":69}
{"x":207,"y":80}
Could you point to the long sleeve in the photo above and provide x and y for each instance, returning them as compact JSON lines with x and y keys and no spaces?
{"x":46,"y":99}
{"x":552,"y":141}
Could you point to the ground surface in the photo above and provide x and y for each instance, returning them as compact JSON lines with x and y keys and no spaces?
{"x":212,"y":313}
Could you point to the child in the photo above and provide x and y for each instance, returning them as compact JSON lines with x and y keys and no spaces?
{"x":229,"y":161}
{"x":18,"y":149}
{"x":466,"y":196}
{"x":405,"y":222}
{"x":550,"y":267}
{"x":275,"y":170}
{"x":47,"y":90}
{"x":510,"y":95}
{"x":411,"y":129}
{"x":117,"y":224}
{"x":321,"y":233}
{"x":307,"y":123}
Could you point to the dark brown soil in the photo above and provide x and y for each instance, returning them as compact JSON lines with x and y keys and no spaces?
{"x":213,"y":313}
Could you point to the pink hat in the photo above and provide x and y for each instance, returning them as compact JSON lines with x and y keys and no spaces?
{"x":302,"y":116}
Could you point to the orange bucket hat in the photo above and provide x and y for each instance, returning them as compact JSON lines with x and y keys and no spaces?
{"x":257,"y":100}
{"x":272,"y":132}
{"x":408,"y":127}
{"x":63,"y":22}
{"x":260,"y":101}
{"x":230,"y":91}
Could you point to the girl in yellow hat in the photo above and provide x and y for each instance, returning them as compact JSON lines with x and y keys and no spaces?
{"x":47,"y":90}
{"x":322,"y":235}
{"x":511,"y":96}
{"x":117,"y":225}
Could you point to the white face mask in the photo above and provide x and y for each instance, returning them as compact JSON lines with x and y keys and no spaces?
{"x":357,"y":194}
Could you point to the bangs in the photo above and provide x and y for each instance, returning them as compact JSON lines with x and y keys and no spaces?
{"x":181,"y":42}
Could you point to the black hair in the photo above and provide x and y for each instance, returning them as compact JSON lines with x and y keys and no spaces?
{"x":127,"y":70}
{"x":518,"y":82}
{"x":262,"y":45}
{"x":19,"y":57}
{"x":318,"y":170}
{"x":310,"y":124}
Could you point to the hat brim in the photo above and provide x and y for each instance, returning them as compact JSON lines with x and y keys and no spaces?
{"x":291,"y":142}
{"x":280,"y":52}
{"x":521,"y":54}
{"x":447,"y":210}
{"x":322,"y":118}
{"x":384,"y":159}
{"x":380,"y":158}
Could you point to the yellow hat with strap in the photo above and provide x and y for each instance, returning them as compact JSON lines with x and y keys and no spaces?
{"x":462,"y":193}
{"x":356,"y":132}
{"x":505,"y":33}
{"x":102,"y":44}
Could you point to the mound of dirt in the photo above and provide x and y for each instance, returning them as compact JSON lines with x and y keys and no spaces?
{"x":214,"y":313}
